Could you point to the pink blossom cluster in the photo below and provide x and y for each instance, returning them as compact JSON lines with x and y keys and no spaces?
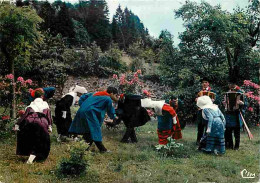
{"x":250,"y":109}
{"x":20,"y":79}
{"x":115,"y":76}
{"x":28,"y":81}
{"x":148,"y":94}
{"x":251,"y":84}
{"x":21,"y":112}
{"x":134,"y":80}
{"x":9,"y":76}
{"x":128,"y":82}
{"x":250,"y":95}
{"x":5,"y":118}
{"x":122,"y":79}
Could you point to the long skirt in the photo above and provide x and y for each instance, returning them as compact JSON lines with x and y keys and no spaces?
{"x":33,"y":139}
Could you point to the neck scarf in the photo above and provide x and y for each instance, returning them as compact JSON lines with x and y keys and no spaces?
{"x":102,"y":93}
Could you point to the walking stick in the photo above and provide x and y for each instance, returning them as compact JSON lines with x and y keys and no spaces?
{"x":250,"y":136}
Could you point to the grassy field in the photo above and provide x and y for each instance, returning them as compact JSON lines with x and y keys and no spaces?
{"x":138,"y":162}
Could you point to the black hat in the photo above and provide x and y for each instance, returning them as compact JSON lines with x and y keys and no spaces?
{"x":204,"y":79}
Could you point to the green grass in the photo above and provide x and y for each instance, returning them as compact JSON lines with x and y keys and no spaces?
{"x":138,"y":162}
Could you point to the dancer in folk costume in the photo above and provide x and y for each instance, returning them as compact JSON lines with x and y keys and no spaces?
{"x":215,"y":125}
{"x":168,"y":123}
{"x":232,"y":114}
{"x":62,"y":117}
{"x":174,"y":103}
{"x":91,"y":114}
{"x":133,"y":115}
{"x":200,"y":121}
{"x":33,"y":128}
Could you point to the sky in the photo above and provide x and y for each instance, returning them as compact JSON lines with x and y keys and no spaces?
{"x":158,"y":15}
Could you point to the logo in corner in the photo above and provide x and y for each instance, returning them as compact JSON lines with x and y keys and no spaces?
{"x":247,"y":175}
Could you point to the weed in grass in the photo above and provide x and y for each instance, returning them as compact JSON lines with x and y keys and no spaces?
{"x":75,"y":165}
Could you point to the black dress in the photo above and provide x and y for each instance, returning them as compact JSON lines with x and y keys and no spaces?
{"x":133,"y":115}
{"x":63,"y":124}
{"x":33,"y":136}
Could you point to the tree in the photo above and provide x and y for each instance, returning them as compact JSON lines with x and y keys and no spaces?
{"x":97,"y":23}
{"x":117,"y":24}
{"x":127,"y":29}
{"x":64,"y":24}
{"x":81,"y":34}
{"x":18,"y":33}
{"x":216,"y":39}
{"x":47,"y":13}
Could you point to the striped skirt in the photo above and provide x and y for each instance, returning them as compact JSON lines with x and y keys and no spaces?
{"x":215,"y":144}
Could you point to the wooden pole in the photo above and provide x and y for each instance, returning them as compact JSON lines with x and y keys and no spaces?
{"x":250,"y":136}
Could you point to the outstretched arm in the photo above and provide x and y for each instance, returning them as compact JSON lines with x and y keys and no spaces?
{"x":111,"y":110}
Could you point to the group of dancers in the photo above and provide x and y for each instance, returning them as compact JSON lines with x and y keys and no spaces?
{"x":34,"y":126}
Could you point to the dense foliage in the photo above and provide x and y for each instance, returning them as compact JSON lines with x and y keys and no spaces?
{"x":78,"y":39}
{"x":216,"y":44}
{"x":76,"y":164}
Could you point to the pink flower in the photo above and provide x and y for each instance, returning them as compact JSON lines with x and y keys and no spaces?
{"x":5,"y":118}
{"x":9,"y":76}
{"x":28,"y":81}
{"x":135,"y":74}
{"x":250,"y":109}
{"x":139,"y":71}
{"x":256,"y":86}
{"x":246,"y":82}
{"x":21,"y":112}
{"x":20,"y":79}
{"x":122,"y":79}
{"x":131,"y":82}
{"x":30,"y":90}
{"x":115,"y":76}
{"x":147,"y":93}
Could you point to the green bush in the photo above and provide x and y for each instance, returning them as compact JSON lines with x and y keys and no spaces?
{"x":76,"y":164}
{"x":175,"y":150}
{"x":110,"y":62}
{"x":137,"y":64}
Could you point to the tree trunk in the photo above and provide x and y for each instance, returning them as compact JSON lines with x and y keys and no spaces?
{"x":11,"y":69}
{"x":13,"y":109}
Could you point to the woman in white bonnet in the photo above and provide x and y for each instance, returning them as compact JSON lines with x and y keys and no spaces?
{"x":62,"y":117}
{"x":215,"y":141}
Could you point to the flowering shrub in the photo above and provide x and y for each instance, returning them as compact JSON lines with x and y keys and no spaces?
{"x":128,"y":83}
{"x":147,"y":93}
{"x":6,"y":87}
{"x":4,"y":120}
{"x":252,"y":92}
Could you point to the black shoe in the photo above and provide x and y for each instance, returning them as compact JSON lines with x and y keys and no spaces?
{"x":125,"y":141}
{"x":103,"y":151}
{"x":236,"y":148}
{"x":134,"y":141}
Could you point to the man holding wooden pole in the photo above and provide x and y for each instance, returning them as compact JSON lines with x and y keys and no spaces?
{"x":234,"y":102}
